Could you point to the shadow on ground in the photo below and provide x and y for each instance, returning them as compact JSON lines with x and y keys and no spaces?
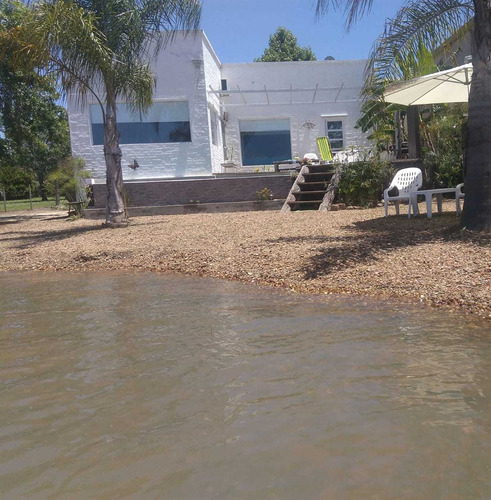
{"x":26,"y":239}
{"x":15,"y":218}
{"x":366,"y":241}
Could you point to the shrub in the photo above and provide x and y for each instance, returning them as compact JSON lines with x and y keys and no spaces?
{"x":362,"y":183}
{"x":442,"y":132}
{"x":69,"y":178}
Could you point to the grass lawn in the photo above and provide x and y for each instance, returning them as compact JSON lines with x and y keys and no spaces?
{"x":37,"y":203}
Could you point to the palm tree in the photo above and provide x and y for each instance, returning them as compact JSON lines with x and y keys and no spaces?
{"x":433,"y":22}
{"x":102,"y":48}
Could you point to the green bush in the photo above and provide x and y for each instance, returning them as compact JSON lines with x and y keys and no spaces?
{"x":69,"y":179}
{"x":362,"y":183}
{"x":16,"y":182}
{"x":444,"y":169}
{"x":443,"y":136}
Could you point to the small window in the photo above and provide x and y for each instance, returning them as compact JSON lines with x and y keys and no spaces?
{"x":335,"y":134}
{"x":162,"y":122}
{"x":224,"y":85}
{"x":214,"y":127}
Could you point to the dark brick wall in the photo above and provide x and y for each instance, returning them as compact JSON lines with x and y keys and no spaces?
{"x":210,"y":190}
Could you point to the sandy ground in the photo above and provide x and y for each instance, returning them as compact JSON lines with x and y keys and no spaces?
{"x":355,"y":252}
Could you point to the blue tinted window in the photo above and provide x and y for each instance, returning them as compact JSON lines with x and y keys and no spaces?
{"x":265,"y":141}
{"x":163,"y":122}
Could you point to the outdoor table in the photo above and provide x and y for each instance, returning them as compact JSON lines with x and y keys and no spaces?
{"x":428,"y":195}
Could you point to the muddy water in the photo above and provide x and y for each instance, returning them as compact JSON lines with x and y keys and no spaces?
{"x":143,"y":386}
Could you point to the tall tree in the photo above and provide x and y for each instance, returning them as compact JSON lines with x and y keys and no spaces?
{"x":283,"y":46}
{"x":434,"y":21}
{"x":34,"y":128}
{"x":103,"y":48}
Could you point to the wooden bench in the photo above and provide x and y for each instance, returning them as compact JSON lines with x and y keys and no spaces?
{"x":75,"y":207}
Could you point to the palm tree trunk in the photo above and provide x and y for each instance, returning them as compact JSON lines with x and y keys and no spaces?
{"x":115,"y":209}
{"x":477,"y":168}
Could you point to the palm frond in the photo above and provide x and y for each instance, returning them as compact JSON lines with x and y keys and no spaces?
{"x":60,"y":37}
{"x":353,"y":9}
{"x":135,"y":83}
{"x":417,"y":24}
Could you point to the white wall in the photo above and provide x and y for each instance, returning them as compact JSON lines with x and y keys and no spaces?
{"x":213,"y":75}
{"x":189,"y":69}
{"x":344,"y":79}
{"x":180,"y":75}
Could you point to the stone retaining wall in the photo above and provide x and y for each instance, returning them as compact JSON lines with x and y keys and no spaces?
{"x":204,"y":190}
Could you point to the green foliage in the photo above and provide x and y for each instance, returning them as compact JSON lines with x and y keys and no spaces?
{"x":34,"y":128}
{"x":69,"y":179}
{"x":362,"y":183}
{"x":25,"y":204}
{"x":417,"y":24}
{"x":101,"y":49}
{"x":442,"y":133}
{"x":378,"y":115}
{"x":15,"y":181}
{"x":283,"y":46}
{"x":433,"y":23}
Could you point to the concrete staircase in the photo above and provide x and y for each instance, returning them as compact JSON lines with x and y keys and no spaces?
{"x":312,"y":188}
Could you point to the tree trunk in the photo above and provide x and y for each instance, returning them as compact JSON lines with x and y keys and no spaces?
{"x":328,"y":199}
{"x":477,"y":169}
{"x":42,"y":190}
{"x":57,"y":194}
{"x":413,"y":136}
{"x":115,"y":208}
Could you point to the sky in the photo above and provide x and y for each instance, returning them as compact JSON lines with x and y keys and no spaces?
{"x":239,"y":30}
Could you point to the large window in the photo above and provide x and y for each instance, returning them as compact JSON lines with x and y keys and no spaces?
{"x":334,"y":131}
{"x":163,"y":122}
{"x":265,"y":141}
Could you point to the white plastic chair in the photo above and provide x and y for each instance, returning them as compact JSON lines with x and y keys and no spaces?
{"x":406,"y":181}
{"x":312,"y":157}
{"x":459,"y":195}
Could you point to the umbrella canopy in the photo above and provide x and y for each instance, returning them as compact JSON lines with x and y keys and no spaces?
{"x":451,"y":85}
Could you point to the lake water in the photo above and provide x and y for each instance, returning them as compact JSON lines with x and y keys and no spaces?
{"x":149,"y":386}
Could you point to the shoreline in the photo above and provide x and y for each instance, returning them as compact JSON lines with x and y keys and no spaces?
{"x":350,"y":252}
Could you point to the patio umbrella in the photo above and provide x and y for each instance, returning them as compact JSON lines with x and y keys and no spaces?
{"x":451,"y":85}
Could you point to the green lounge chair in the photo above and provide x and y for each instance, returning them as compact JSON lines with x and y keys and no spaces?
{"x":324,"y":148}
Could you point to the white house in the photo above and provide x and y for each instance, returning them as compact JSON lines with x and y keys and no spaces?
{"x":206,"y":113}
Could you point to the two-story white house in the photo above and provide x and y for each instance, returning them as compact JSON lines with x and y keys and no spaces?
{"x":205,"y":113}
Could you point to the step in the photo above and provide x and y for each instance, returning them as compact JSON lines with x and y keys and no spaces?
{"x":299,"y":205}
{"x":300,"y":183}
{"x":322,"y":191}
{"x":321,"y":168}
{"x":305,"y":208}
{"x":305,"y":202}
{"x":306,"y":196}
{"x":318,"y":174}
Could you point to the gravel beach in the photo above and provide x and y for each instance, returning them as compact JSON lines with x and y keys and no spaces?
{"x":356,"y":252}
